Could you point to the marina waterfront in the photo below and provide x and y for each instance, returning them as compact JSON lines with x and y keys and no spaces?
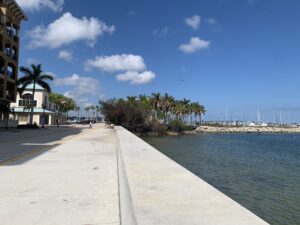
{"x":260,"y":171}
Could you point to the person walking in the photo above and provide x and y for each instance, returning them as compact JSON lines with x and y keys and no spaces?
{"x":91,"y":126}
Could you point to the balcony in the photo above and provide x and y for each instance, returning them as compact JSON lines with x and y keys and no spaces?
{"x":12,"y":34}
{"x":11,"y":75}
{"x":11,"y":53}
{"x":26,"y":102}
{"x":11,"y":71}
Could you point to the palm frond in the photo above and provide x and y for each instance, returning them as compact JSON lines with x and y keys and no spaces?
{"x":27,"y":71}
{"x":46,"y":77}
{"x":23,"y":80}
{"x":23,"y":86}
{"x":45,"y":85}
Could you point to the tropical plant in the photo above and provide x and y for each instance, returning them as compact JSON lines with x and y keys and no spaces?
{"x":64,"y":104}
{"x":87,"y":111}
{"x":156,"y":113}
{"x":77,"y":109}
{"x":33,"y":75}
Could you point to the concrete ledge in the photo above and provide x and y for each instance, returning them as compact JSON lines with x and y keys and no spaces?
{"x":127,"y":215}
{"x":156,"y":190}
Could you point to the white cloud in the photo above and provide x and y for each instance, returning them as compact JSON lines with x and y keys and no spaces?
{"x":31,"y":61}
{"x":82,"y":88}
{"x":132,"y":66}
{"x":34,"y":5}
{"x":116,"y":63}
{"x":68,"y":29}
{"x":161,"y":32}
{"x":211,"y":21}
{"x":66,"y":55}
{"x":193,"y":22}
{"x":194,"y":45}
{"x":137,"y":78}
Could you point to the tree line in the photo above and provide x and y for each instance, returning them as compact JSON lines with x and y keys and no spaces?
{"x":154,"y":113}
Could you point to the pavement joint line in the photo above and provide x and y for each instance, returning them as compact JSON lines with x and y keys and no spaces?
{"x":8,"y":161}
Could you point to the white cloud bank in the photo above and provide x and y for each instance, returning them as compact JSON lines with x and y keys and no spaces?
{"x":82,"y":88}
{"x":35,"y":5}
{"x":195,"y":44}
{"x":133,"y":66}
{"x":193,"y":22}
{"x":65,"y":55}
{"x":68,"y":29}
{"x":116,"y":63}
{"x":137,"y":78}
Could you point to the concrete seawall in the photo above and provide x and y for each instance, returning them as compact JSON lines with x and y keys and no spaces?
{"x":154,"y":190}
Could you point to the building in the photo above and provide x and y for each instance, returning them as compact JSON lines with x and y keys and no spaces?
{"x":45,"y":112}
{"x":11,"y":16}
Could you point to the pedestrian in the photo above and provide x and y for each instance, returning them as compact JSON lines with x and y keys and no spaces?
{"x":91,"y":124}
{"x":57,"y":122}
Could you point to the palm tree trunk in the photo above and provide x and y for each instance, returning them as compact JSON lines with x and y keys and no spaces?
{"x":32,"y":105}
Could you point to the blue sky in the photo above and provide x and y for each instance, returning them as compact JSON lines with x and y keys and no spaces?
{"x":238,"y":56}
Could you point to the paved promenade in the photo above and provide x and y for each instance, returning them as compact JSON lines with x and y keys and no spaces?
{"x":70,"y":178}
{"x":99,"y":176}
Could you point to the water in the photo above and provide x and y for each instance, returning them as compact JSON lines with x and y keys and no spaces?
{"x":260,"y":171}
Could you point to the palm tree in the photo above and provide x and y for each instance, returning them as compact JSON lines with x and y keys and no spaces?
{"x":87,"y":111}
{"x":77,"y":108}
{"x":167,"y":105}
{"x":93,"y":111}
{"x":98,"y":109}
{"x":155,"y":103}
{"x":131,"y":98}
{"x":201,"y":111}
{"x":33,"y":75}
{"x":186,"y":105}
{"x":179,"y":109}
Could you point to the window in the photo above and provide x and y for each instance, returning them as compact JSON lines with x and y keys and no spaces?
{"x":27,"y":100}
{"x":11,"y":71}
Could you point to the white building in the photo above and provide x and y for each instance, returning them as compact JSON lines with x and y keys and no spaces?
{"x":44,"y":112}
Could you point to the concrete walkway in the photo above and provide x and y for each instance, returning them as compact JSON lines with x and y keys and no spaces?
{"x":74,"y":183}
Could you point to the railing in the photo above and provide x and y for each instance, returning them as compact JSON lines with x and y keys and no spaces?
{"x":10,"y":33}
{"x":27,"y":103}
{"x":11,"y":75}
{"x":9,"y":52}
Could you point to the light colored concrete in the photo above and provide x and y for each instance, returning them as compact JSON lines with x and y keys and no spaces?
{"x":164,"y":193}
{"x":75,"y":183}
{"x":127,"y":214}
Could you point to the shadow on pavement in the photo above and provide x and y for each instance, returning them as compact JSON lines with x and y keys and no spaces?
{"x":29,"y":144}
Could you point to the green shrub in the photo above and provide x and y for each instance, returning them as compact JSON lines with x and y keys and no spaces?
{"x":129,"y":114}
{"x":176,"y":126}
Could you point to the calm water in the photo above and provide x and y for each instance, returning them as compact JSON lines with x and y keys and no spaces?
{"x":260,"y":171}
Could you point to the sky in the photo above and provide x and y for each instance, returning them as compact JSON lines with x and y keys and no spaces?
{"x":236,"y":57}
